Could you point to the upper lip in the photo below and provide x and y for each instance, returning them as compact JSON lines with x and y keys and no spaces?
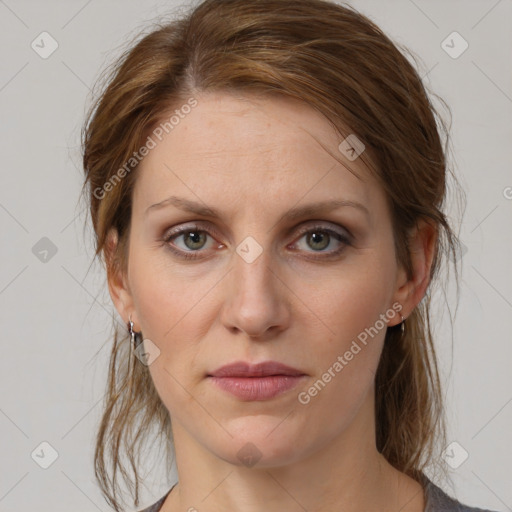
{"x":243,"y":369}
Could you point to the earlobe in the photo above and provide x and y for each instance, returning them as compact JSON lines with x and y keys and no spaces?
{"x":116,"y":278}
{"x":422,"y":245}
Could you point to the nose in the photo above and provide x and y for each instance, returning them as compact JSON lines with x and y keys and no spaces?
{"x":257,"y":300}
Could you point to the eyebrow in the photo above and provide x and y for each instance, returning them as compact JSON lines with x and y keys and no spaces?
{"x":294,"y":213}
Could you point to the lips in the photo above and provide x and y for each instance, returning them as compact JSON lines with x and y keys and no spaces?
{"x":265,"y":369}
{"x":252,"y":382}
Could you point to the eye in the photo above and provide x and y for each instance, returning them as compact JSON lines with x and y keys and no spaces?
{"x":193,"y":240}
{"x":320,"y":238}
{"x":188,"y":240}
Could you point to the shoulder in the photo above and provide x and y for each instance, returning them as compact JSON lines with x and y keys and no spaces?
{"x":438,"y":501}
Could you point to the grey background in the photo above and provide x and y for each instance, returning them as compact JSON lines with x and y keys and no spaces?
{"x":55,"y":312}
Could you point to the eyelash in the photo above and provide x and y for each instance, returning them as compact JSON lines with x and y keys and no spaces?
{"x":191,"y":255}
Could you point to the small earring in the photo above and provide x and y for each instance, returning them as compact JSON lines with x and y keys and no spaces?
{"x":402,"y":325}
{"x":135,"y":337}
{"x":135,"y":340}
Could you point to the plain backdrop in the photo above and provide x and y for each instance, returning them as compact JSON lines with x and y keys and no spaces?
{"x":55,"y":313}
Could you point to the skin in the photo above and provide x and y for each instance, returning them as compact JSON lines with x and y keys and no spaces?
{"x":255,"y":158}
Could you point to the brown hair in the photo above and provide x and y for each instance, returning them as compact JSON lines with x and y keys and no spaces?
{"x":338,"y":62}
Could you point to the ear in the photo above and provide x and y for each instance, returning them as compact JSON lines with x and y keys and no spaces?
{"x":422,"y":243}
{"x":117,"y":279}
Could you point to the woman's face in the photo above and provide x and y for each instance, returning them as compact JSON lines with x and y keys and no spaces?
{"x":265,"y":273}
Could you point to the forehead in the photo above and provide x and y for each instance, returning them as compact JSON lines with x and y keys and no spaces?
{"x":252,"y":146}
{"x":226,"y":125}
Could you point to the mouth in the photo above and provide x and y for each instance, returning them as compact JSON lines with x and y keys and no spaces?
{"x":257,"y":382}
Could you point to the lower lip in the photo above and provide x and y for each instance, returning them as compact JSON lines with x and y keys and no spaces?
{"x":257,"y":388}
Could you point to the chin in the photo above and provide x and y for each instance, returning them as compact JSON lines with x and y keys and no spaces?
{"x":261,"y":442}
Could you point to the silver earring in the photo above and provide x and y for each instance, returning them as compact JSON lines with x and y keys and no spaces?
{"x":135,"y":337}
{"x":402,"y":325}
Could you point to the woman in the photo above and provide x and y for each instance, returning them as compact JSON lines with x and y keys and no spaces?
{"x":266,"y":183}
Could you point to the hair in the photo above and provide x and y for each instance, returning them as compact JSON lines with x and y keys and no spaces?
{"x":337,"y":61}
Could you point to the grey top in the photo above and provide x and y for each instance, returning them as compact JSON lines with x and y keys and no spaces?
{"x":436,"y":501}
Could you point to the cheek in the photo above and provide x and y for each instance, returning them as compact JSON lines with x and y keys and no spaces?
{"x":353,"y":297}
{"x":352,"y":307}
{"x":345,"y":362}
{"x":175,"y":311}
{"x":164,"y":295}
{"x":168,"y":307}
